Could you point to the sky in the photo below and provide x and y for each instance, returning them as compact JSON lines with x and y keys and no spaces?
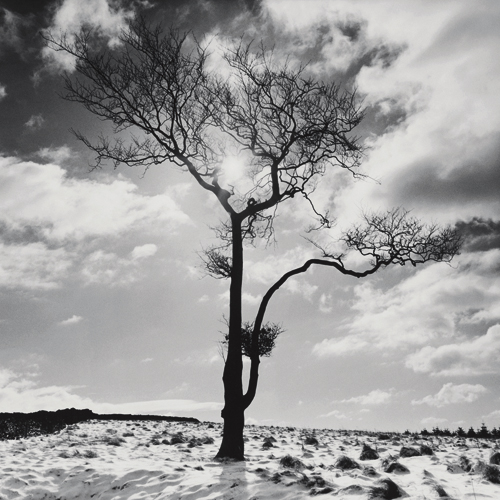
{"x":103,"y":300}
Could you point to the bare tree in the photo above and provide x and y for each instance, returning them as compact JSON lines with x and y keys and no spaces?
{"x":290,"y":127}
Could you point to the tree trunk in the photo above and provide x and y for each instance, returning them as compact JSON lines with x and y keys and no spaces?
{"x":232,"y":445}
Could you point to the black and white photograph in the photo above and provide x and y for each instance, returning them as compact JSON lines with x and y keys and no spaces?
{"x":249,"y":249}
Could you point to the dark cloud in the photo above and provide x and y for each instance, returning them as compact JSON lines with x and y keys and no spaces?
{"x":352,"y":29}
{"x":16,"y":32}
{"x":479,"y":234}
{"x":475,"y":179}
{"x":21,"y":235}
{"x":367,"y":53}
{"x":27,"y":7}
{"x":203,"y":16}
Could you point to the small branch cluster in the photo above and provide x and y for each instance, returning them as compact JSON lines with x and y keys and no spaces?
{"x":267,"y":338}
{"x":396,"y":238}
{"x":217,"y":264}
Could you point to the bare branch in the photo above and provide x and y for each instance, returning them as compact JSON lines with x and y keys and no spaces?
{"x":156,"y":85}
{"x":396,"y":238}
{"x":217,"y":264}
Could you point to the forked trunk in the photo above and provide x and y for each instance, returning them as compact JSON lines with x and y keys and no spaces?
{"x":232,"y":445}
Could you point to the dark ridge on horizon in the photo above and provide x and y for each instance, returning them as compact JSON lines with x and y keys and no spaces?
{"x":21,"y":425}
{"x":73,"y":416}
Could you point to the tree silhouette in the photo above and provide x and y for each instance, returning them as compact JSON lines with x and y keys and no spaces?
{"x":289,"y":128}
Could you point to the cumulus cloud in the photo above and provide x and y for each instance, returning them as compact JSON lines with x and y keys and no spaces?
{"x":466,"y":293}
{"x":373,"y":398}
{"x":71,"y":321}
{"x":46,"y":217}
{"x":33,"y":266}
{"x":21,"y":394}
{"x":477,"y":356}
{"x":430,"y":86}
{"x":340,"y":346}
{"x":106,"y":268}
{"x":493,"y":416}
{"x":248,"y":298}
{"x":107,"y":17}
{"x":270,"y":268}
{"x":479,"y":234}
{"x":442,"y":157}
{"x":66,"y":208}
{"x":337,"y":414}
{"x":433,"y":421}
{"x":144,"y":251}
{"x":55,"y":155}
{"x":453,"y":394}
{"x":3,"y":91}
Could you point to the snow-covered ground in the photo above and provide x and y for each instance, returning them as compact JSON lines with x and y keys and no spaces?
{"x":164,"y":460}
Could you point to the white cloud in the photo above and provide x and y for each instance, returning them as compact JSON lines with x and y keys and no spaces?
{"x":340,"y":346}
{"x":71,"y":321}
{"x":325,"y":303}
{"x":106,"y":268}
{"x":300,"y":286}
{"x":451,"y":122}
{"x":470,"y":357}
{"x":431,"y":76}
{"x":44,"y":213}
{"x":158,"y":406}
{"x":375,"y":397}
{"x":337,"y":414}
{"x":56,"y":155}
{"x":248,"y":298}
{"x":433,"y":421}
{"x":453,"y":394}
{"x":21,"y":394}
{"x":3,"y":92}
{"x":144,"y":251}
{"x":492,"y":417}
{"x":44,"y":196}
{"x":466,"y":293}
{"x":102,"y":15}
{"x":35,"y":122}
{"x":33,"y":266}
{"x":269,"y":269}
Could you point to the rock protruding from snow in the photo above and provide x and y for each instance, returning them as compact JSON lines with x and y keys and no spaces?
{"x":368,"y":453}
{"x":386,"y":489}
{"x":495,"y":458}
{"x":407,"y":451}
{"x":290,"y":462}
{"x":426,"y":450}
{"x":393,"y":466}
{"x":346,"y":463}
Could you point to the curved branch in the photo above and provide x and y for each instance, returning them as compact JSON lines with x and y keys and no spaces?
{"x":255,"y":360}
{"x":389,"y":238}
